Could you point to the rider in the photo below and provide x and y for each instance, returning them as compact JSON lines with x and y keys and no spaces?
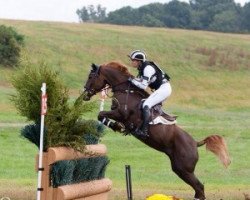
{"x":150,"y":75}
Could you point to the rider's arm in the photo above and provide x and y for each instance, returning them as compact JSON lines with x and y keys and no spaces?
{"x":144,"y":80}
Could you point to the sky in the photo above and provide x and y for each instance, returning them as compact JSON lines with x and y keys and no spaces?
{"x":64,"y":10}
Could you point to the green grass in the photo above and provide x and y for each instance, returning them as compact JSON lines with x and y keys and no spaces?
{"x":16,"y":154}
{"x":71,"y":48}
{"x":210,"y":79}
{"x":151,"y":171}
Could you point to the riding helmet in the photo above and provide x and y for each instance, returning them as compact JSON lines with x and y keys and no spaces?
{"x":137,"y":55}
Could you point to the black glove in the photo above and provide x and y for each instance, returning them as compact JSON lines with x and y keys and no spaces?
{"x":130,"y":79}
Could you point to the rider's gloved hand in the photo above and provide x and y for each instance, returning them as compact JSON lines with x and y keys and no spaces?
{"x":130,"y":79}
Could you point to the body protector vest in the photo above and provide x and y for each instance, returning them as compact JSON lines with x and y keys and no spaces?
{"x":159,"y":74}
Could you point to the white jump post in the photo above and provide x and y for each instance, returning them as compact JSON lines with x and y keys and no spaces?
{"x":40,"y":162}
{"x":103,"y":97}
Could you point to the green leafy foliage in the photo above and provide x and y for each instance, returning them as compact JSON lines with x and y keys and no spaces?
{"x":76,"y":171}
{"x":64,"y":126}
{"x":245,"y":16}
{"x":27,"y":81}
{"x":213,"y":15}
{"x":91,"y":131}
{"x":91,"y":13}
{"x":63,"y":123}
{"x":32,"y":133}
{"x":10,"y":46}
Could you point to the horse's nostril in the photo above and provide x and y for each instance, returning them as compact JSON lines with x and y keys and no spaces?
{"x":86,"y":96}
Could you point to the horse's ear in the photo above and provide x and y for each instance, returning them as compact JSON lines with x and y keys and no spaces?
{"x":94,"y":67}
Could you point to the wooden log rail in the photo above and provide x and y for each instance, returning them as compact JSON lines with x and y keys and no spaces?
{"x":91,"y":190}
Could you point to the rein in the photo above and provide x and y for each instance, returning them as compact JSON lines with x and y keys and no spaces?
{"x":127,"y":91}
{"x":126,"y":102}
{"x":117,"y":90}
{"x":105,"y":89}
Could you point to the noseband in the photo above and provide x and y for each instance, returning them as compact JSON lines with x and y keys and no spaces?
{"x":93,"y":75}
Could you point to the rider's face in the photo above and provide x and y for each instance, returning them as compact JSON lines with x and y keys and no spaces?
{"x":135,"y":63}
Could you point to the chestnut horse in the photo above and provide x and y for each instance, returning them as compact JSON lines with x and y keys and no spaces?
{"x":170,"y":139}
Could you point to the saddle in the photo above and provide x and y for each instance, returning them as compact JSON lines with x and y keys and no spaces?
{"x":157,"y":115}
{"x":157,"y":111}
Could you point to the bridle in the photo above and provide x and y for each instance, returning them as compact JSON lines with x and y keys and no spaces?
{"x":94,"y":74}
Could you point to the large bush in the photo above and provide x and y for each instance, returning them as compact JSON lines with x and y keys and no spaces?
{"x":64,"y":125}
{"x":10,"y":46}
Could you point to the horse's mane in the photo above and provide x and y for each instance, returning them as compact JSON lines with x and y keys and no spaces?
{"x":116,"y":65}
{"x":122,"y":68}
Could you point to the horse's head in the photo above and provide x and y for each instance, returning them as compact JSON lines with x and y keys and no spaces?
{"x":94,"y":84}
{"x":113,"y":74}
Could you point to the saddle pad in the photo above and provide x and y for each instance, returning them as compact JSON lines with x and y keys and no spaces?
{"x":162,"y":120}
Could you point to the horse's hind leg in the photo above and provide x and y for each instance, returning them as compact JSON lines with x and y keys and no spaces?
{"x":186,"y":173}
{"x":191,"y":179}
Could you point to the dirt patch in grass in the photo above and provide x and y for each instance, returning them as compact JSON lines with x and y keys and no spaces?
{"x":28,"y":192}
{"x":225,"y":194}
{"x":229,"y":58}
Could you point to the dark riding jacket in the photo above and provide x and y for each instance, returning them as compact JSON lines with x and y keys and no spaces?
{"x":161,"y":76}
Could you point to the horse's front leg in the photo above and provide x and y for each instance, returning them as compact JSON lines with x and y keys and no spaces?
{"x":105,"y":116}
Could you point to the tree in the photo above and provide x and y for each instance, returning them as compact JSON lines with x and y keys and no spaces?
{"x":124,"y":16}
{"x":91,"y":13}
{"x":10,"y":46}
{"x":100,"y":13}
{"x":83,"y":14}
{"x":214,"y":15}
{"x":177,"y":14}
{"x":150,"y":15}
{"x":150,"y":21}
{"x":245,"y":17}
{"x":204,"y":11}
{"x":226,"y":21}
{"x":63,"y":119}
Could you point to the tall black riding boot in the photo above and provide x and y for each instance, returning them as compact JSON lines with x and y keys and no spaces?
{"x":143,"y":131}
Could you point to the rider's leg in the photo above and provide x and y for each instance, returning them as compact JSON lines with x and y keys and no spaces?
{"x":156,"y":97}
{"x":145,"y":118}
{"x":159,"y":95}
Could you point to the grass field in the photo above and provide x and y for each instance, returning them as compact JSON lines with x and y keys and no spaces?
{"x":151,"y":171}
{"x":210,"y":78}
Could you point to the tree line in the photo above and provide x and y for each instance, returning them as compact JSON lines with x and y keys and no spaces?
{"x":211,"y":15}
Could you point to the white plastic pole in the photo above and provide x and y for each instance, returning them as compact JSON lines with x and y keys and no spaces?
{"x":103,"y":97}
{"x":40,"y":163}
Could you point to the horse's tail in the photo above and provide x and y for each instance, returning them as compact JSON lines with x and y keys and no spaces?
{"x":218,"y":146}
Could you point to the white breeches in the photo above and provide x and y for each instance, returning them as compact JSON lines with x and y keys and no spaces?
{"x":159,"y":95}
